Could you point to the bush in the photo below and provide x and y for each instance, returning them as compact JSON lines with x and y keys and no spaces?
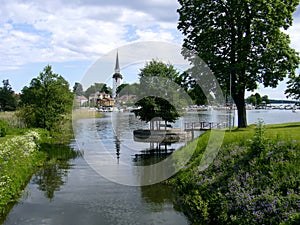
{"x":3,"y":128}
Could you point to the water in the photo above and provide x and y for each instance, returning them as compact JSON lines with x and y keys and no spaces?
{"x":71,"y":192}
{"x":272,"y":116}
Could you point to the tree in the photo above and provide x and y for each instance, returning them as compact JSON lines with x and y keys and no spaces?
{"x":158,"y":94}
{"x":293,"y":87}
{"x":257,"y":100}
{"x":78,"y":89}
{"x":46,"y":101}
{"x":241,"y":41}
{"x":97,"y":87}
{"x":192,"y":88}
{"x":252,"y":100}
{"x":8,"y":101}
{"x":265,"y":99}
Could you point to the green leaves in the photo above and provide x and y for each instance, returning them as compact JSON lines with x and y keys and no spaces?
{"x":242,"y":39}
{"x":8,"y":100}
{"x":159,"y":96}
{"x":293,"y":87}
{"x":46,"y":100}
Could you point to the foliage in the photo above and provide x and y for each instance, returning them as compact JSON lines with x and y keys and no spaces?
{"x":241,"y":40}
{"x":19,"y":157}
{"x":3,"y":128}
{"x":78,"y":89}
{"x":46,"y":101}
{"x":158,"y":93}
{"x":12,"y":119}
{"x":293,"y":87}
{"x":192,"y":88}
{"x":253,"y":180}
{"x":97,"y":87}
{"x":155,"y":107}
{"x":257,"y":100}
{"x":128,"y":89}
{"x":8,"y":101}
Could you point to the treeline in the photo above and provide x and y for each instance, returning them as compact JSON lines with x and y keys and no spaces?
{"x":96,"y":87}
{"x":44,"y":103}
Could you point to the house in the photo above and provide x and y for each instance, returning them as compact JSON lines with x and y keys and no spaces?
{"x":81,"y":100}
{"x":101,"y":99}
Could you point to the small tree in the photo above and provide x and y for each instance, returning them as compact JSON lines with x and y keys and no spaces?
{"x":251,"y":100}
{"x":265,"y":99}
{"x":46,"y":101}
{"x":78,"y":89}
{"x":157,"y":93}
{"x":8,"y":100}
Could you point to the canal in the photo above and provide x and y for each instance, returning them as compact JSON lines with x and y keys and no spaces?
{"x":76,"y":191}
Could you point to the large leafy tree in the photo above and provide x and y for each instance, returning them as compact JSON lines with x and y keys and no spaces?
{"x":8,"y":100}
{"x":293,"y":87}
{"x":242,"y":41}
{"x":47,"y":100}
{"x":158,"y":93}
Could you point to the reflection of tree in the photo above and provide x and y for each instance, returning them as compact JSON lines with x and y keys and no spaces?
{"x":156,"y":153}
{"x":55,"y":171}
{"x":51,"y":177}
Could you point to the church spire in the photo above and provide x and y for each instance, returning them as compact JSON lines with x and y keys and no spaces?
{"x":117,"y":77}
{"x":117,"y":68}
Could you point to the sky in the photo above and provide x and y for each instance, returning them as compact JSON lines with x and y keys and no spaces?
{"x":72,"y":35}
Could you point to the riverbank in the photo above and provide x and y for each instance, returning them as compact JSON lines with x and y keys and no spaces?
{"x":254,"y":179}
{"x":25,"y":151}
{"x":19,"y":159}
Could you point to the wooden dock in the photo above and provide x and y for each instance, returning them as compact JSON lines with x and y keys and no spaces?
{"x":203,"y":126}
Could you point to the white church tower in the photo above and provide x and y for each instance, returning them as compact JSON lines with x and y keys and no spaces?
{"x":117,"y":78}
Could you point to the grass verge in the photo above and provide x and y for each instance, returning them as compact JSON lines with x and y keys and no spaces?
{"x":255,"y":178}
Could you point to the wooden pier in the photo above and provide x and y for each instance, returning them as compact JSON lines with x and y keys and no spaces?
{"x":203,"y":126}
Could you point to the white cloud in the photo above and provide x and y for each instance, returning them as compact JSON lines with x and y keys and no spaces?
{"x":33,"y":31}
{"x":60,"y":31}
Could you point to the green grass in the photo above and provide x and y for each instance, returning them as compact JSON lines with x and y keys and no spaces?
{"x":254,"y":179}
{"x":85,"y":114}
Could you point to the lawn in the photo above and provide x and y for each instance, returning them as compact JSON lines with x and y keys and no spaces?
{"x":254,"y":179}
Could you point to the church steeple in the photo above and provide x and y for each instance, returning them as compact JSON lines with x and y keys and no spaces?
{"x":117,"y":67}
{"x":117,"y":77}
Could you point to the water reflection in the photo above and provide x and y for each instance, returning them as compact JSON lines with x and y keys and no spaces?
{"x":55,"y":171}
{"x":156,"y":153}
{"x":158,"y":194}
{"x":117,"y":147}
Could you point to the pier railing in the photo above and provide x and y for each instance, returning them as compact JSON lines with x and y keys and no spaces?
{"x":203,"y":126}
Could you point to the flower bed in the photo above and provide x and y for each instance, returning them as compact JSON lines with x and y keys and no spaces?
{"x":19,"y":158}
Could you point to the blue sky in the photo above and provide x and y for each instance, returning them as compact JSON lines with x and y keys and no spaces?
{"x":72,"y":35}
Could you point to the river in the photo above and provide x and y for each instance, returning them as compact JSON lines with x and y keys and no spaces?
{"x":73,"y":191}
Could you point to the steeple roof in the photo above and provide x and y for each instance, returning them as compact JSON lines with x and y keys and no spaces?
{"x":117,"y":68}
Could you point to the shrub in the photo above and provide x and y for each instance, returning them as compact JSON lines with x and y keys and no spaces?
{"x":259,"y":141}
{"x":3,"y":128}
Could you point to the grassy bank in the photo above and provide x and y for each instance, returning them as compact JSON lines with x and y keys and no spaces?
{"x":19,"y":158}
{"x":24,"y":151}
{"x":86,"y":114}
{"x":255,"y":178}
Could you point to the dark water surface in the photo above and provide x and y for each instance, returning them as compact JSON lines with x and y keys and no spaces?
{"x":71,"y":192}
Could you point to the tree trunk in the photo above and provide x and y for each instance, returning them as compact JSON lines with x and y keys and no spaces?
{"x":239,"y":100}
